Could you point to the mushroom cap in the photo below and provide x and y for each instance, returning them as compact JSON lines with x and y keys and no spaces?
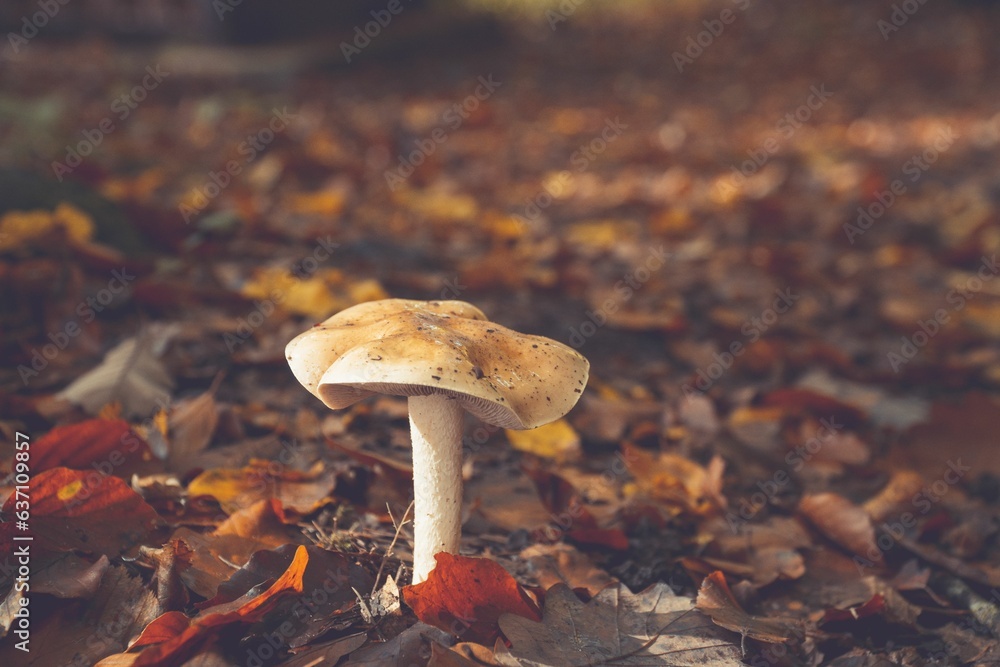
{"x":416,"y":348}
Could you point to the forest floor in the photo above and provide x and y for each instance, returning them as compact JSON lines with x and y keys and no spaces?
{"x":772,"y":229}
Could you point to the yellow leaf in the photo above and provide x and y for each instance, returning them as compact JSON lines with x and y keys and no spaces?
{"x":556,"y":441}
{"x":18,"y":227}
{"x":322,"y":202}
{"x":325,"y":292}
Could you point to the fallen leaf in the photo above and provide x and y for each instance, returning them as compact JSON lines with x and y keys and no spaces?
{"x":551,"y":564}
{"x":676,"y":480}
{"x":843,"y":522}
{"x":178,"y":638}
{"x":716,"y":600}
{"x":191,"y":425}
{"x":327,"y":653}
{"x":617,"y":627}
{"x":235,"y":489}
{"x":131,"y":374}
{"x":466,"y":596}
{"x":108,"y":445}
{"x":556,"y":440}
{"x":409,"y":648}
{"x":73,"y":509}
{"x":81,"y":632}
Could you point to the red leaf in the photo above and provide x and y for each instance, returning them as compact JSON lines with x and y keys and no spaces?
{"x":105,"y":443}
{"x":466,"y":596}
{"x":74,"y":509}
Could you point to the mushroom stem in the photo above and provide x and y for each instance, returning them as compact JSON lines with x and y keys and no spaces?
{"x":436,"y":432}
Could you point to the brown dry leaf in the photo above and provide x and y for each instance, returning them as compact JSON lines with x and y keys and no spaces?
{"x":552,"y":564}
{"x":757,"y":428}
{"x":961,"y":432}
{"x":843,"y":522}
{"x":235,"y":489}
{"x":654,"y":627}
{"x":716,"y":600}
{"x":82,"y":632}
{"x":327,"y":653}
{"x":212,"y":558}
{"x":409,"y":648}
{"x":444,"y":657}
{"x":897,"y":494}
{"x":676,"y":480}
{"x":191,"y":425}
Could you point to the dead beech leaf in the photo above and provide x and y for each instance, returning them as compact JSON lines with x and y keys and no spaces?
{"x":90,"y":444}
{"x":77,"y":510}
{"x":191,"y":425}
{"x":716,"y":600}
{"x":617,"y":627}
{"x":466,"y":596}
{"x":237,"y":488}
{"x":556,"y":440}
{"x":842,"y":522}
{"x":131,"y":375}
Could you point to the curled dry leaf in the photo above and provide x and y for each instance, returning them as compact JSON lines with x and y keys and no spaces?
{"x":676,"y":480}
{"x":173,"y":638}
{"x":842,"y":522}
{"x":716,"y":600}
{"x":617,"y":627}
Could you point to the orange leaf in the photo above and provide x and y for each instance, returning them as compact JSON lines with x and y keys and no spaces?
{"x":466,"y":596}
{"x":180,"y":638}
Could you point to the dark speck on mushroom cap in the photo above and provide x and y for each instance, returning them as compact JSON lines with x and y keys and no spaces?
{"x":404,"y":347}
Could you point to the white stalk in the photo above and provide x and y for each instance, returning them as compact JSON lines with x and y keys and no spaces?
{"x":436,"y":432}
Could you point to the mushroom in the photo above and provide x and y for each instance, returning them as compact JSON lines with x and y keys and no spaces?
{"x":446,"y":357}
